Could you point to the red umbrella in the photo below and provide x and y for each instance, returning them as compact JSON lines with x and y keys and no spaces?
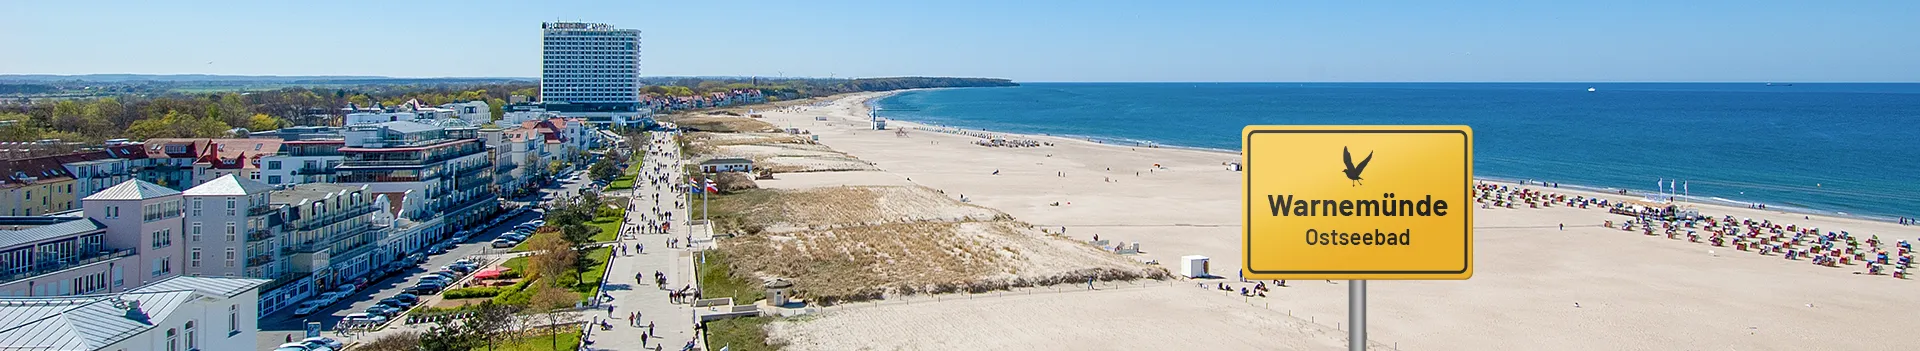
{"x":490,"y":273}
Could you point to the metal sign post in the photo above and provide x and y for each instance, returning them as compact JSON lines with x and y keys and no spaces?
{"x":1356,"y":315}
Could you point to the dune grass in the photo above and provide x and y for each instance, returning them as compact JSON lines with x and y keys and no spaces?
{"x":740,"y":334}
{"x":717,"y":280}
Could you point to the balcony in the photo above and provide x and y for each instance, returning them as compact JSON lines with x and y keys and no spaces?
{"x":51,"y":267}
{"x":259,"y":234}
{"x":331,"y":218}
{"x":386,"y":163}
{"x":356,"y":251}
{"x":259,"y":210}
{"x":260,"y":260}
{"x":313,"y":170}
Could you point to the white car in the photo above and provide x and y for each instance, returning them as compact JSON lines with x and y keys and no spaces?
{"x":335,"y":344}
{"x":303,"y":346}
{"x":327,"y":298}
{"x":308,"y":308}
{"x":364,"y":318}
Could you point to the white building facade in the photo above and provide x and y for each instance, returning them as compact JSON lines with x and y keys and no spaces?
{"x":179,"y":313}
{"x":589,"y":63}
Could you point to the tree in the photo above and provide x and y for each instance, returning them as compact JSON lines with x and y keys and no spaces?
{"x":497,"y":107}
{"x":400,"y":341}
{"x":17,"y":127}
{"x":553,"y":255}
{"x":261,"y":122}
{"x":489,"y":321}
{"x":553,"y":303}
{"x":176,"y":125}
{"x":605,"y":169}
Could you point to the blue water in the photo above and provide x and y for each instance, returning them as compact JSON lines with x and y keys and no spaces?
{"x":1852,"y":148}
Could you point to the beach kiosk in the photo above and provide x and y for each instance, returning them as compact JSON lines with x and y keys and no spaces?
{"x":1194,"y":266}
{"x":778,"y":291}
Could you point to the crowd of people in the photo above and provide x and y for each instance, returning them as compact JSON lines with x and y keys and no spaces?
{"x":656,"y":183}
{"x":1764,"y":237}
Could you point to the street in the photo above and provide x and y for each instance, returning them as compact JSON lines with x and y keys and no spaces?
{"x":277,"y":327}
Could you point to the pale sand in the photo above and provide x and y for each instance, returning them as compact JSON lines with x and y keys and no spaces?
{"x":1636,"y":292}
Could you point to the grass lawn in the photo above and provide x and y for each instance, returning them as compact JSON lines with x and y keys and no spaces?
{"x":567,"y":341}
{"x":609,"y":227}
{"x":621,"y":183}
{"x":589,"y":284}
{"x":742,"y":334}
{"x":717,"y":281}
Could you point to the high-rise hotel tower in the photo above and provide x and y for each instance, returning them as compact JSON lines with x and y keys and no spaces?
{"x":593,"y":66}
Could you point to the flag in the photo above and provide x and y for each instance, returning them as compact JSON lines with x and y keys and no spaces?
{"x":693,"y":185}
{"x":1662,"y":184}
{"x":712,"y":187}
{"x":1683,"y":188}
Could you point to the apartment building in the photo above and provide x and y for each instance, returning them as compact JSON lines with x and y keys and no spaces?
{"x":438,"y":176}
{"x":146,"y":218}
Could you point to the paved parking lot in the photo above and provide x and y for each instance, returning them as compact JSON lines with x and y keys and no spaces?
{"x":275,"y":328}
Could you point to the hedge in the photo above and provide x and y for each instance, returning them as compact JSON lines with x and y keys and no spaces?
{"x":474,"y":292}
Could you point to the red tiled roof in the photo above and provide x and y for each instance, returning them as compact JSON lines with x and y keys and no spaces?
{"x":29,"y":171}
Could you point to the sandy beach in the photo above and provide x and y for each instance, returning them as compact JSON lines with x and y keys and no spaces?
{"x":1632,"y":291}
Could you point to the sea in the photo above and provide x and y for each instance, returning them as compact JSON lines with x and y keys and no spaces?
{"x":1833,"y":148}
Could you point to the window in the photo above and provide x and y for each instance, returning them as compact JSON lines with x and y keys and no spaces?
{"x":196,"y":207}
{"x":192,"y":337}
{"x":230,"y":206}
{"x":162,"y":238}
{"x":273,"y":164}
{"x":29,"y":194}
{"x":273,"y":179}
{"x":173,"y":340}
{"x":230,"y":257}
{"x":196,"y":232}
{"x":233,"y":320}
{"x":193,"y":258}
{"x":231,"y":231}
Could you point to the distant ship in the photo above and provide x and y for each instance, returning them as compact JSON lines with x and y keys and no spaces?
{"x":1589,"y":90}
{"x":1779,"y":84}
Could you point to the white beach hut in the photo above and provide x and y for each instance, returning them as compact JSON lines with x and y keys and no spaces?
{"x":1194,"y":266}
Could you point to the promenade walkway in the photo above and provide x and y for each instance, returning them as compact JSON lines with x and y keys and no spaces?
{"x":672,"y":324}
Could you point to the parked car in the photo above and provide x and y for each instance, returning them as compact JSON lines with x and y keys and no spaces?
{"x":426,"y":288}
{"x":514,"y":236}
{"x":308,"y":308}
{"x":329,"y":342}
{"x":396,"y":303}
{"x":328,"y":298}
{"x":303,"y":347}
{"x":409,"y":298}
{"x":382,"y":310}
{"x":502,"y":243}
{"x":434,"y":279}
{"x":364,"y":318}
{"x":460,"y":269}
{"x":435,"y":250}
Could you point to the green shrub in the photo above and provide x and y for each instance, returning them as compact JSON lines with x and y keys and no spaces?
{"x":468,"y":293}
{"x":515,"y":294}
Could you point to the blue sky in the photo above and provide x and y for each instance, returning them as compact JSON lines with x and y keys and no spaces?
{"x":1032,"y":41}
